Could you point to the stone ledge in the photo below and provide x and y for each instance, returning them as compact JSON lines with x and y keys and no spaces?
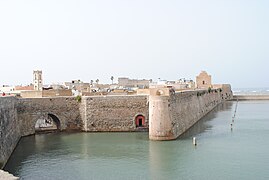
{"x":7,"y":176}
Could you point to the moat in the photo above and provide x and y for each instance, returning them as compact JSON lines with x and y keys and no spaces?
{"x":221,"y":153}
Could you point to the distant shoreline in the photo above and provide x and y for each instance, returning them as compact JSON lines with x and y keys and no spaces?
{"x":251,"y":97}
{"x":251,"y":91}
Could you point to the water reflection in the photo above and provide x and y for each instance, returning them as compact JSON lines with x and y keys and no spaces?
{"x":133,"y":156}
{"x":171,"y":156}
{"x":106,"y":146}
{"x":162,"y":159}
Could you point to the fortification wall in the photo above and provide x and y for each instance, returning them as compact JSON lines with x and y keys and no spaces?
{"x":9,"y":128}
{"x":66,"y":109}
{"x":171,"y":114}
{"x":113,"y":113}
{"x":166,"y":113}
{"x":226,"y":91}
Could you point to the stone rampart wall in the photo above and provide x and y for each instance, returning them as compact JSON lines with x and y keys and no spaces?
{"x":251,"y":97}
{"x":9,"y":128}
{"x":189,"y":107}
{"x":171,"y":114}
{"x":113,"y":113}
{"x":66,"y":109}
{"x":167,"y":114}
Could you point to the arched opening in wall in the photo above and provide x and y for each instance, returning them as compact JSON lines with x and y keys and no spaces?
{"x":48,"y":123}
{"x":140,"y":121}
{"x":203,"y":82}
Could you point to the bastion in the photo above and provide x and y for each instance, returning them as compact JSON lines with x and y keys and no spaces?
{"x":172,"y":113}
{"x":166,"y":114}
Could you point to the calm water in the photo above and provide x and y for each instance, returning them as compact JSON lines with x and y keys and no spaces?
{"x":221,"y":153}
{"x":251,"y":91}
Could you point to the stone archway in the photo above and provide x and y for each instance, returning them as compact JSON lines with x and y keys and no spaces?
{"x":56,"y":120}
{"x":50,"y":122}
{"x":140,"y":121}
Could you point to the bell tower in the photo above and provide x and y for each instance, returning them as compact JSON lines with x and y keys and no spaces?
{"x":203,"y":81}
{"x":37,"y":81}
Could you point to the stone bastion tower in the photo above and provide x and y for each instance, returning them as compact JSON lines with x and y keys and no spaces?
{"x":37,"y":81}
{"x":203,"y":80}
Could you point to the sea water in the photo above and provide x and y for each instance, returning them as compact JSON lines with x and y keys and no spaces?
{"x":251,"y":91}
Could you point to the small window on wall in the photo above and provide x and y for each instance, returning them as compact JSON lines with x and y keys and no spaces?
{"x":140,"y":121}
{"x":203,"y":82}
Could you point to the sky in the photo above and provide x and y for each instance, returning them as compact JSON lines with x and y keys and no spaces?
{"x":151,"y":39}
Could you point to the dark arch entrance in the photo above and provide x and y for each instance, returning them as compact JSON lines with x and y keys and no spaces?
{"x":56,"y":120}
{"x":48,"y":124}
{"x":140,"y":121}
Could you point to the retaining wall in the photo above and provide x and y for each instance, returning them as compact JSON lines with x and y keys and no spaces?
{"x":171,"y":113}
{"x":113,"y":113}
{"x":166,"y":113}
{"x":66,"y":109}
{"x":9,"y":128}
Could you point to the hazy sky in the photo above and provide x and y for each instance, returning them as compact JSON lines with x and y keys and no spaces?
{"x":170,"y":39}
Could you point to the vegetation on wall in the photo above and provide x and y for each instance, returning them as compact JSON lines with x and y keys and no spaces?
{"x":201,"y":93}
{"x":78,"y":98}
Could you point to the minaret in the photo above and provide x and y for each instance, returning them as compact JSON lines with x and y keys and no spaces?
{"x":38,"y":82}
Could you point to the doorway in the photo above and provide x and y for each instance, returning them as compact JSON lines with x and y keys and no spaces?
{"x":140,"y":121}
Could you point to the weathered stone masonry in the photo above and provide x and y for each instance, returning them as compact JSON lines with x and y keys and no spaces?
{"x":9,"y":128}
{"x":66,"y":109}
{"x":167,"y":114}
{"x":171,"y":113}
{"x":113,"y":113}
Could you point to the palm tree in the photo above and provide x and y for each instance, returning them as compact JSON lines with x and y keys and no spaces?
{"x":97,"y":81}
{"x":112,"y":78}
